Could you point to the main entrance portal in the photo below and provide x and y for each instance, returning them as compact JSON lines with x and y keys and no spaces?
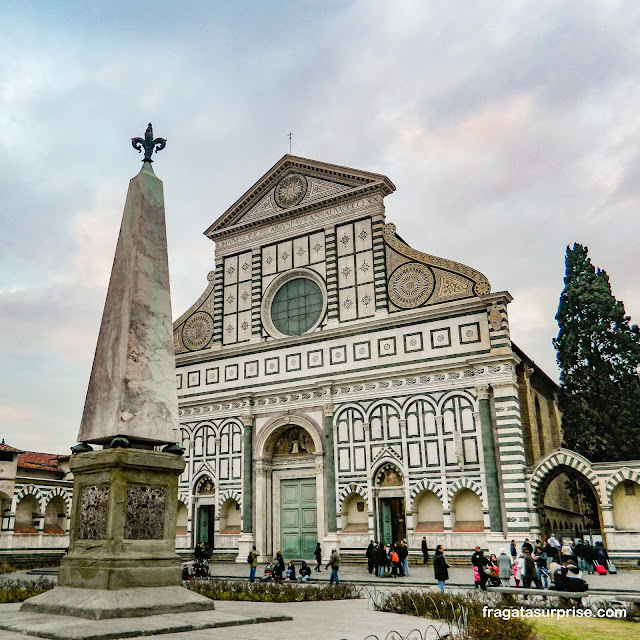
{"x":299,"y":518}
{"x":392,"y":520}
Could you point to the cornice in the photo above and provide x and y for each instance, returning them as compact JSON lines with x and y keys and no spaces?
{"x":294,"y":212}
{"x":456,"y":307}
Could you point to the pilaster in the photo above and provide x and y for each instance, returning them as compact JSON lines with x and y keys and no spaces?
{"x":489,"y":454}
{"x":247,"y":539}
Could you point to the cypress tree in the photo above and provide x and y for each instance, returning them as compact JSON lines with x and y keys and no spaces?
{"x":598,"y":352}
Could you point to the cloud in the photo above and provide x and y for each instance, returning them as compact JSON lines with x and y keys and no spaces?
{"x":509,"y":134}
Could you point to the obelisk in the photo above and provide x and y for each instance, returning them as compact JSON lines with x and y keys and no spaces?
{"x":122,"y":560}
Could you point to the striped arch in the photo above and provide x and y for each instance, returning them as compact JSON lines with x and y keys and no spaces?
{"x":426,"y":485}
{"x":229,"y":493}
{"x":184,"y":499}
{"x":345,"y":492}
{"x":464,"y":483}
{"x":458,"y":392}
{"x":31,"y":490}
{"x":561,"y":458}
{"x":620,"y":476}
{"x":58,"y":491}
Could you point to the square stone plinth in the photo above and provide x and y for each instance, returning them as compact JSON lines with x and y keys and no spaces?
{"x":123,"y":521}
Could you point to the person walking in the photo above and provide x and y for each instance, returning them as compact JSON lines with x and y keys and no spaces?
{"x":382,"y":560}
{"x":404,"y":557}
{"x":530,"y":574}
{"x":334,"y":563}
{"x":253,"y":563}
{"x":425,"y":551}
{"x":440,"y":567}
{"x":318,"y":554}
{"x":478,"y":560}
{"x":395,"y":561}
{"x":370,"y":556}
{"x":505,"y":564}
{"x":566,"y":550}
{"x":513,"y":551}
{"x":541,"y":566}
{"x":518,"y":570}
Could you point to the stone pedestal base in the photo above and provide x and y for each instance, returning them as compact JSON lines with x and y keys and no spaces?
{"x":122,"y":555}
{"x":330,"y":541}
{"x":245,"y":544}
{"x":99,"y":604}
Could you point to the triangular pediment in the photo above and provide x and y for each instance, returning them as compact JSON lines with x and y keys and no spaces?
{"x":294,"y":185}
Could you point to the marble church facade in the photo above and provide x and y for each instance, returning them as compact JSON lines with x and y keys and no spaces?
{"x":337,"y":385}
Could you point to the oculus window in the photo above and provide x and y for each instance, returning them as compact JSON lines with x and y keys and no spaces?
{"x":297,"y":306}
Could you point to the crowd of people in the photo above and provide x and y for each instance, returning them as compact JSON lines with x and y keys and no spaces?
{"x":554,"y":564}
{"x":388,"y":560}
{"x":278,"y":571}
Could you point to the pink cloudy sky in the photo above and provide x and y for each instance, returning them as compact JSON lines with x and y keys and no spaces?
{"x":510,"y":130}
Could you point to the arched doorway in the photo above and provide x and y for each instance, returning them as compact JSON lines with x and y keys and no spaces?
{"x":289,"y":489}
{"x":567,"y":498}
{"x":388,"y":483}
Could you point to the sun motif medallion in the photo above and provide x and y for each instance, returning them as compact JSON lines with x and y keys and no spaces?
{"x":411,"y":285}
{"x":290,"y":190}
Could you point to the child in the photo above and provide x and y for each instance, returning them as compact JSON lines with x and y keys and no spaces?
{"x":290,"y":573}
{"x":518,"y":567}
{"x":476,"y":577}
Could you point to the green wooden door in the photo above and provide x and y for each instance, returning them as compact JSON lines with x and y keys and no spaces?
{"x":204,"y":516}
{"x":299,"y":519}
{"x":386,"y":527}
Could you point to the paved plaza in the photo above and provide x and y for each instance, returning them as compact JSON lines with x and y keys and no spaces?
{"x":339,"y":620}
{"x":420,"y":576}
{"x":344,"y":619}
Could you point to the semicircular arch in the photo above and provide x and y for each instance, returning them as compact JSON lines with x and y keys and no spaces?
{"x":464,"y":483}
{"x":458,"y":393}
{"x":350,"y":490}
{"x":272,"y":430}
{"x":31,"y":490}
{"x":553,"y":465}
{"x":426,"y":485}
{"x":620,"y":476}
{"x":389,"y":402}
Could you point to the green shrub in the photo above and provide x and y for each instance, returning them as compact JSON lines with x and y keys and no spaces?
{"x":5,"y":567}
{"x":272,"y":592}
{"x":21,"y":590}
{"x":455,"y":608}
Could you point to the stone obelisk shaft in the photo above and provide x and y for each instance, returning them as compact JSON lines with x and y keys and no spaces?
{"x":132,"y":388}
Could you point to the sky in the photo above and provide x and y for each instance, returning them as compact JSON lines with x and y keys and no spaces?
{"x":510,"y":129}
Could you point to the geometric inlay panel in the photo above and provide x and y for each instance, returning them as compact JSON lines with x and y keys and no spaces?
{"x":469,"y":332}
{"x":440,"y":338}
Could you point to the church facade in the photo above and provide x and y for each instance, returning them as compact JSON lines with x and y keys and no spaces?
{"x":336,"y":384}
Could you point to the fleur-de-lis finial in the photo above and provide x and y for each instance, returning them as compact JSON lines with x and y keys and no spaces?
{"x":148,"y":143}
